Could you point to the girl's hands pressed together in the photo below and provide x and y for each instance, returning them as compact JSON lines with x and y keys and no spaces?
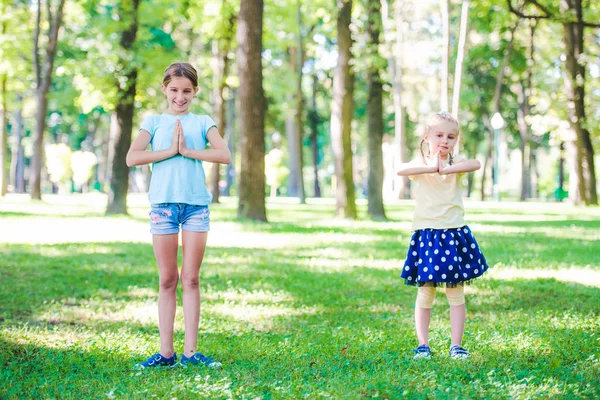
{"x":181,"y":143}
{"x":440,"y":165}
{"x":174,"y":149}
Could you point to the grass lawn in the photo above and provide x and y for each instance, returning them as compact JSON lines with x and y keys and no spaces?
{"x":280,"y":301}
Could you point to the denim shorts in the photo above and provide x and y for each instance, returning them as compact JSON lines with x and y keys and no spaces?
{"x":165,"y":218}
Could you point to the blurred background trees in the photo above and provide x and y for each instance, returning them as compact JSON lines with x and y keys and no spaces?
{"x":344,"y":91}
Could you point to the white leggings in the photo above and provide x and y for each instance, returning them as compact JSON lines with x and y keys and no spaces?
{"x":426,"y":296}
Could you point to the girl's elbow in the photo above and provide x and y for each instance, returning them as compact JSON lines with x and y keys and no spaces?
{"x":227,"y":158}
{"x":129,"y":160}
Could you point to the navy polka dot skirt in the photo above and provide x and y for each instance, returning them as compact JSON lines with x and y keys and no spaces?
{"x":443,"y":257}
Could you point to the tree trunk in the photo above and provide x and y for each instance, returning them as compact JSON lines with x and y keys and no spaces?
{"x":43,"y":77}
{"x":400,"y":184}
{"x":496,"y":104}
{"x":524,"y":88}
{"x":295,"y":119}
{"x":460,"y":56}
{"x":17,"y":167}
{"x":375,"y":114}
{"x":124,"y":110}
{"x":231,"y":139}
{"x":220,"y":48}
{"x":314,"y":136}
{"x":488,"y":156}
{"x":561,"y":169}
{"x":293,"y":133}
{"x":4,"y":165}
{"x":524,"y":133}
{"x":252,"y":111}
{"x":444,"y":5}
{"x":575,"y":83}
{"x":341,"y":115}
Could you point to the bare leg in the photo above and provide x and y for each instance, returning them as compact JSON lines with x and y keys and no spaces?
{"x":165,"y":251}
{"x":194,"y":245}
{"x":422,"y":319}
{"x":457,"y":323}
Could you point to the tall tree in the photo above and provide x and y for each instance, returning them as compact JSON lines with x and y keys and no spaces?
{"x":252,"y":111}
{"x":294,"y":120}
{"x":314,"y":119}
{"x":396,"y":67}
{"x":4,"y":166}
{"x":221,"y":46}
{"x":44,"y":68}
{"x":445,"y":6}
{"x":125,"y":104}
{"x":495,"y":104}
{"x":571,"y":17}
{"x":460,"y":56}
{"x":341,"y":114}
{"x":375,"y":112}
{"x":523,"y":113}
{"x":17,"y":165}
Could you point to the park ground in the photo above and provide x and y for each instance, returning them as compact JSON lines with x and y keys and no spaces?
{"x":281,"y":301}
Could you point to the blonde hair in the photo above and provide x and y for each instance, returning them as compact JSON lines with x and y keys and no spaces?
{"x":180,"y":69}
{"x":431,"y":120}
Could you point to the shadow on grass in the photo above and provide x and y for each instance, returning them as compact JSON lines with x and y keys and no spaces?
{"x":532,"y":295}
{"x":368,"y":308}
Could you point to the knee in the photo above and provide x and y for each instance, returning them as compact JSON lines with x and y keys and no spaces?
{"x":456,"y":296}
{"x":169,"y":282}
{"x":425,"y":297}
{"x":190,"y":282}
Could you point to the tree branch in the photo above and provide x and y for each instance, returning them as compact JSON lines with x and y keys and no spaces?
{"x":36,"y":46}
{"x":547,"y":13}
{"x":590,"y":25}
{"x":520,"y":14}
{"x":540,"y":7}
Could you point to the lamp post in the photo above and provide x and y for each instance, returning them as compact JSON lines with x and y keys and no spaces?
{"x":497,"y":124}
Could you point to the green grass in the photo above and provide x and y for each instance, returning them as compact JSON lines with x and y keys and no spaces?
{"x":78,"y":305}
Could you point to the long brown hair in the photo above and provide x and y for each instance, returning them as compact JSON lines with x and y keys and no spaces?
{"x":180,"y":69}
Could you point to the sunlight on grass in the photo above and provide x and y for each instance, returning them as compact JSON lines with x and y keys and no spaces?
{"x":57,"y":337}
{"x":51,"y":230}
{"x":583,"y":276}
{"x":572,"y":232}
{"x":280,"y":300}
{"x":245,"y":296}
{"x":256,"y":313}
{"x":91,"y":312}
{"x":333,"y":260}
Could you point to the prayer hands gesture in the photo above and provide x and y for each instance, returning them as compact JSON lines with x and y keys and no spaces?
{"x":178,"y":142}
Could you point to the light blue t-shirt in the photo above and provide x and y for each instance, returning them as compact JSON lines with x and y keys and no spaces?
{"x":178,"y":179}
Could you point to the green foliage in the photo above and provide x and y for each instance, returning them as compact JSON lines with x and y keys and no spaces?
{"x":280,"y":301}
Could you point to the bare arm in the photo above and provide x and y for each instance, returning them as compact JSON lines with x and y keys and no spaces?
{"x":218,"y":153}
{"x":459,"y":167}
{"x":137,"y":154}
{"x":407,"y":169}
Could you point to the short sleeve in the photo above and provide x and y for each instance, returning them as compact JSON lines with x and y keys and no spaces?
{"x":148,"y":125}
{"x":458,"y":158}
{"x":455,"y":160}
{"x":208,"y":123}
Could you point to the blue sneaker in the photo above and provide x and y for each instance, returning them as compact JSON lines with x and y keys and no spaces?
{"x":423,"y":351}
{"x":458,"y":352}
{"x":158,"y":360}
{"x":199,"y":358}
